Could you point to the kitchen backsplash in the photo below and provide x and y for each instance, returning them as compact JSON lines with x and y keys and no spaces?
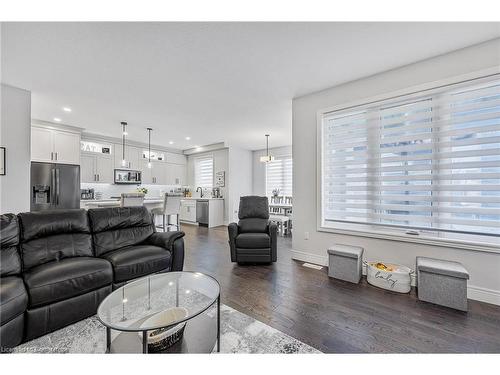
{"x":112,"y":190}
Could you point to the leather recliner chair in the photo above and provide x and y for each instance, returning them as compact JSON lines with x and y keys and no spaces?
{"x":13,"y":295}
{"x":254,"y":238}
{"x":126,"y":238}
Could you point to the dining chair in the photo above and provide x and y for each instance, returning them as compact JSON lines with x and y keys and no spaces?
{"x":132,"y":199}
{"x":171,"y":206}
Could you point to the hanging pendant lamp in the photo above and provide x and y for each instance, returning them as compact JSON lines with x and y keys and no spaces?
{"x":267,"y":158}
{"x":124,"y":133}
{"x":149,"y":147}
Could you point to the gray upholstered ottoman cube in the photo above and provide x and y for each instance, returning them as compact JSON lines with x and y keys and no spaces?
{"x":344,"y":262}
{"x":442,"y":282}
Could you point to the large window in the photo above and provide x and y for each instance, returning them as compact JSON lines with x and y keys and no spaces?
{"x":427,"y":164}
{"x":279,"y":176}
{"x":204,"y":172}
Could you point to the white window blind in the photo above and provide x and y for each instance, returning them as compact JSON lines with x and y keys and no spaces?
{"x":279,"y":175}
{"x":204,"y":172}
{"x":431,"y":162}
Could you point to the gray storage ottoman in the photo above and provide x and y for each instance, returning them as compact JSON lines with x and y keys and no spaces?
{"x":345,"y":262}
{"x":442,"y":282}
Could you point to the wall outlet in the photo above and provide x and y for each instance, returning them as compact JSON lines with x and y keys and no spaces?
{"x":306,"y":235}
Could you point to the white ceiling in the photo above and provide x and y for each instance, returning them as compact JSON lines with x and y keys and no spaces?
{"x":230,"y":82}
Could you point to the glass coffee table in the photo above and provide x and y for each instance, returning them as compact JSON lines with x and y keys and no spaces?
{"x":173,"y":312}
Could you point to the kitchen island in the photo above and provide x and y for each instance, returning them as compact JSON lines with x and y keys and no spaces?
{"x":150,"y":203}
{"x":191,"y":212}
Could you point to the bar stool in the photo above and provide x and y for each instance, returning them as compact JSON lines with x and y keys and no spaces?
{"x":171,"y":206}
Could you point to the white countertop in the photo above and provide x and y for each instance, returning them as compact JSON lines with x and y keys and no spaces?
{"x":200,"y":199}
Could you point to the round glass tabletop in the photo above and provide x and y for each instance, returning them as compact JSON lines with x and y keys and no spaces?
{"x":134,"y":306}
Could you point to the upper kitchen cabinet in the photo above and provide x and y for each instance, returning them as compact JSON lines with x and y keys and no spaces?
{"x":133,"y":155}
{"x":176,"y":174}
{"x":156,"y":175}
{"x":54,"y":145}
{"x":97,"y":161}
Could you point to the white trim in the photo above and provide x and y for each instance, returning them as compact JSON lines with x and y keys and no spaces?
{"x":310,"y":258}
{"x":473,"y":292}
{"x":414,"y":90}
{"x":104,"y":138}
{"x":414,"y":239}
{"x":483,"y":294}
{"x":56,"y":126}
{"x":202,"y":149}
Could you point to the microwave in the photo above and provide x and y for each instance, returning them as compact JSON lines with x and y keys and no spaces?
{"x":127,"y":176}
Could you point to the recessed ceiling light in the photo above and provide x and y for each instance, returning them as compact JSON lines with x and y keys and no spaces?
{"x":66,"y":109}
{"x":188,"y":138}
{"x":57,"y":119}
{"x":171,"y":142}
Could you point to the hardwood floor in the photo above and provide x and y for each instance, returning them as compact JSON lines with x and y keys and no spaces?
{"x":335,"y":316}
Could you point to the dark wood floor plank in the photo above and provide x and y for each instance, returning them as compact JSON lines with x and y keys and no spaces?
{"x":335,"y":316}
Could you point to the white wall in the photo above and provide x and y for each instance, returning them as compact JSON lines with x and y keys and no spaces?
{"x":240,"y":179}
{"x":259,"y":168}
{"x":484,"y":268}
{"x":15,"y":135}
{"x":221,"y":164}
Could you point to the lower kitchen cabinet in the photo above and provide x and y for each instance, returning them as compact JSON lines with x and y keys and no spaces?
{"x":188,"y":211}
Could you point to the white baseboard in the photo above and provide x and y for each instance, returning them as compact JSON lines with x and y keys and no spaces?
{"x":483,"y":294}
{"x":473,"y":292}
{"x":311,"y":258}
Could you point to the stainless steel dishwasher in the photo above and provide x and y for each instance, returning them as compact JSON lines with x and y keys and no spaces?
{"x":202,"y":212}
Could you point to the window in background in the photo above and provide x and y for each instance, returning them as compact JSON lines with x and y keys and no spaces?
{"x":429,"y":163}
{"x":204,"y":172}
{"x":279,"y":176}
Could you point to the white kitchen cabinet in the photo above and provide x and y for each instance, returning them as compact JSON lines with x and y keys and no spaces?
{"x":133,"y":155}
{"x":87,"y":168}
{"x":96,"y":168}
{"x":176,"y":174}
{"x":54,"y":146}
{"x":42,"y":147}
{"x":188,"y":211}
{"x":67,"y":147}
{"x":156,"y":175}
{"x":104,"y":169}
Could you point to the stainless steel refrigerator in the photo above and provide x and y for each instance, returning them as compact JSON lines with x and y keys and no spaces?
{"x":54,"y":186}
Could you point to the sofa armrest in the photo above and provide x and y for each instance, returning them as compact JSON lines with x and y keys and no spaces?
{"x":232,"y":229}
{"x":173,"y":242}
{"x":273,"y":233}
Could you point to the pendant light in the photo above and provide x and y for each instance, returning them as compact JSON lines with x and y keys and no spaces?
{"x":149,"y":147}
{"x":124,"y":133}
{"x":267,"y":158}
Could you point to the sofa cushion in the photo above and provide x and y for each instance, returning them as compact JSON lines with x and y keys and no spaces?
{"x":49,"y":236}
{"x":119,"y":227}
{"x":10,"y":263}
{"x":136,"y":261}
{"x":253,"y":206}
{"x":253,"y":240}
{"x":13,"y":298}
{"x":59,"y":280}
{"x":253,"y":225}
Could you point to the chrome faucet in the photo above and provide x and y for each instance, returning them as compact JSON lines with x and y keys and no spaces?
{"x":201,"y":191}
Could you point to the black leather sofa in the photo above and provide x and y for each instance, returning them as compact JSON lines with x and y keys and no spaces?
{"x":68,"y":261}
{"x":13,"y":295}
{"x":254,"y":238}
